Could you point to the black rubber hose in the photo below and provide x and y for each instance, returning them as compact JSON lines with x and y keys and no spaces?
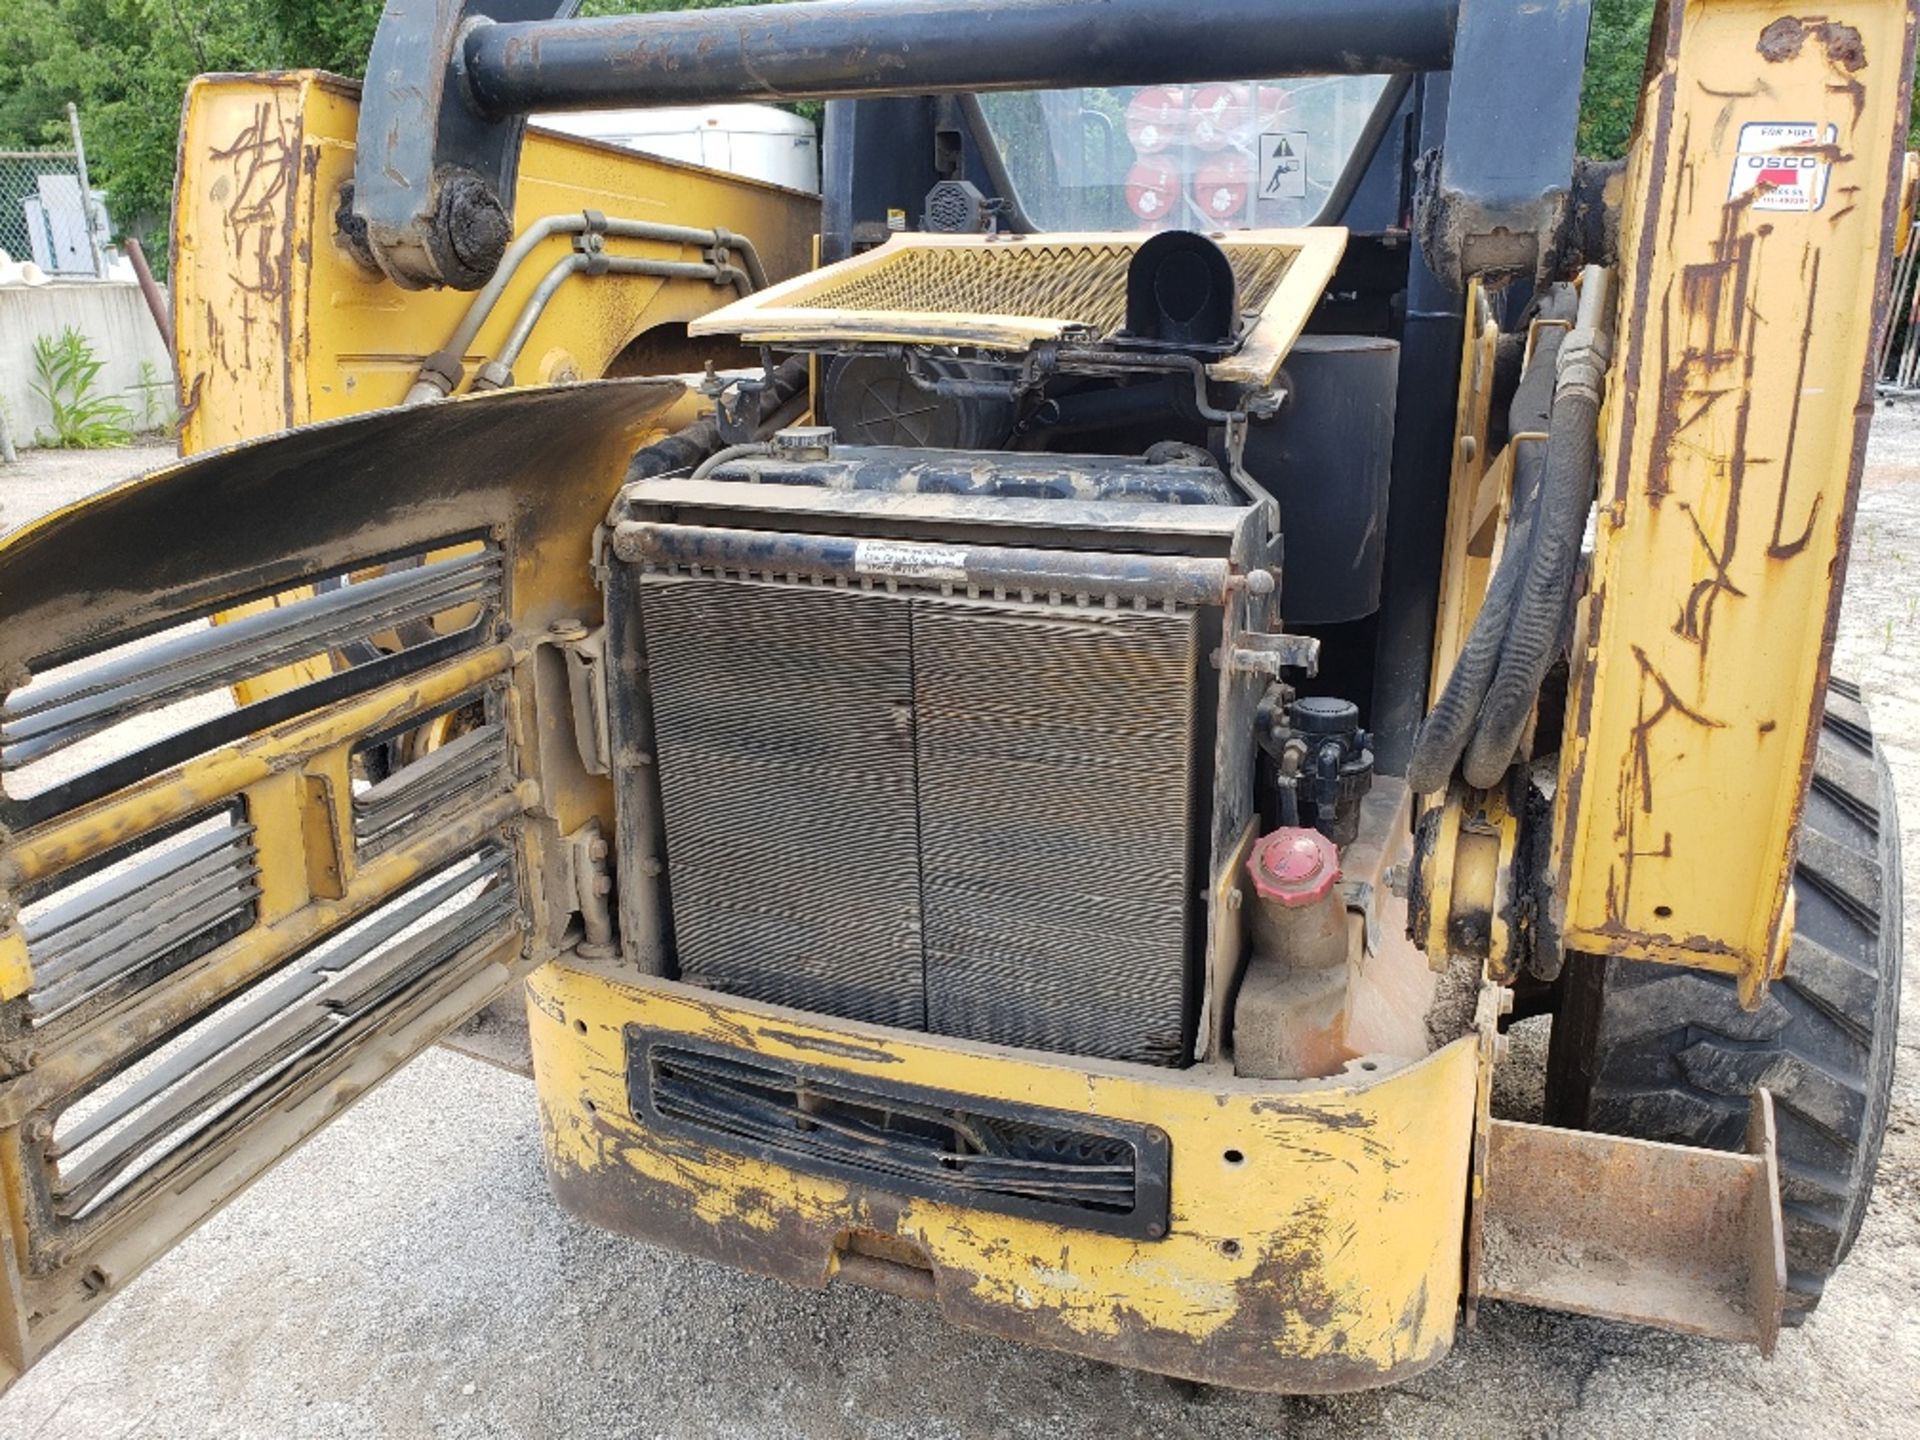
{"x":686,"y":448}
{"x":1449,"y":726}
{"x":1540,"y":608}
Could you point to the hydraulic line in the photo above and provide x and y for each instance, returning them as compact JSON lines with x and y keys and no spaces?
{"x":441,"y":371}
{"x":687,"y":448}
{"x":1560,"y":519}
{"x":1445,"y":733}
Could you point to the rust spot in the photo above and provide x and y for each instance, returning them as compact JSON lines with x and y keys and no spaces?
{"x":1784,"y":39}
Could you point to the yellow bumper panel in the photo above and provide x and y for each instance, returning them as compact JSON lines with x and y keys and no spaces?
{"x":1314,"y":1242}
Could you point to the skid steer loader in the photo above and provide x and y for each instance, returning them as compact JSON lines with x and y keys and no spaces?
{"x":1024,"y":732}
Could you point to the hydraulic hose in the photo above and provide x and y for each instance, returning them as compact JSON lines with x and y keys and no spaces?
{"x":1450,"y":726}
{"x":687,"y":448}
{"x":1560,"y":519}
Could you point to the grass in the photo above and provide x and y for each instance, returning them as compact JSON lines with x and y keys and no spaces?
{"x":67,"y":378}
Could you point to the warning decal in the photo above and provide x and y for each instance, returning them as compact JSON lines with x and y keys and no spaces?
{"x":1784,"y":166}
{"x":1283,"y":165}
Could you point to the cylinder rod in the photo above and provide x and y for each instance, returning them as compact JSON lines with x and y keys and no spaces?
{"x":832,"y":49}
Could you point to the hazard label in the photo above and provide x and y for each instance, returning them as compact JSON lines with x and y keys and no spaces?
{"x":1283,"y":165}
{"x":1783,"y":165}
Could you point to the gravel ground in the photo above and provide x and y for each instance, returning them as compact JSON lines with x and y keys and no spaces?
{"x":406,"y":1274}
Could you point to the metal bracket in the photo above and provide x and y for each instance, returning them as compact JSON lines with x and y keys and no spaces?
{"x":1358,"y":896}
{"x":1485,"y":205}
{"x":1271,"y":655}
{"x":587,"y":692}
{"x":592,"y":887}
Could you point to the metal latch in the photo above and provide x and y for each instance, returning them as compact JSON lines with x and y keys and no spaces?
{"x":1256,"y":654}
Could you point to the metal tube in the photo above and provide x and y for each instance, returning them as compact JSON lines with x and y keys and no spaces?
{"x":536,"y":305}
{"x":156,"y":301}
{"x":86,"y":191}
{"x":1185,"y":580}
{"x":444,"y":366}
{"x":837,"y":48}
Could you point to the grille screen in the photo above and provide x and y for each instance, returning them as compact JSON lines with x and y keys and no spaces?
{"x":965,"y":816}
{"x":1085,"y":284}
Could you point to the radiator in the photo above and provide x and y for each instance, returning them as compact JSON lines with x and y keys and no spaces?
{"x":969,"y":816}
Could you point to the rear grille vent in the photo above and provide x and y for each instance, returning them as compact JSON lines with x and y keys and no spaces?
{"x":132,"y":1130}
{"x":423,"y":788}
{"x":149,"y":910}
{"x":1068,"y":1169}
{"x":68,"y":734}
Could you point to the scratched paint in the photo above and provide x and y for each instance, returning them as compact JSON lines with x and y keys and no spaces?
{"x":1325,"y":1256}
{"x":1736,"y":425}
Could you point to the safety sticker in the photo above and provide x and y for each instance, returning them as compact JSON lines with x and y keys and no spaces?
{"x":1784,"y":165}
{"x":911,"y":562}
{"x":1283,"y":165}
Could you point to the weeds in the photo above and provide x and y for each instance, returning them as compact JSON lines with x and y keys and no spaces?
{"x":157,"y":415}
{"x":67,"y":377}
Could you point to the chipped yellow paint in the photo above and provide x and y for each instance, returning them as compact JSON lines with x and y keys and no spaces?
{"x":1337,"y":1228}
{"x":16,"y":972}
{"x":279,"y":326}
{"x":1730,"y":461}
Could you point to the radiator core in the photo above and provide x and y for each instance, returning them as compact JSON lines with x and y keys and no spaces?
{"x":971,"y":817}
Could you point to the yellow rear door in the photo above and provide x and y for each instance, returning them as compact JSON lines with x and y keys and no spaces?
{"x":223,"y":922}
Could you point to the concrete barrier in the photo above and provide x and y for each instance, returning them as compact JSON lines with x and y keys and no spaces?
{"x":114,"y":318}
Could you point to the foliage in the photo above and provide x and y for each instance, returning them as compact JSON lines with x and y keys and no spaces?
{"x":1616,"y":60}
{"x":67,"y":377}
{"x":157,"y":414}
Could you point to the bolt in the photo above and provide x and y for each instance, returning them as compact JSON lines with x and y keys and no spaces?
{"x":1469,"y":447}
{"x":650,"y":867}
{"x":39,"y":1130}
{"x":1260,"y":582}
{"x":596,"y":850}
{"x":1156,"y":1230}
{"x":602,"y":885}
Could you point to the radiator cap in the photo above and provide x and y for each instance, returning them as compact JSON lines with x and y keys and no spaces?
{"x":1294,"y":866}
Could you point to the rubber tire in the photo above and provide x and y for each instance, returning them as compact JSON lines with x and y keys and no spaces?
{"x":1667,"y":1054}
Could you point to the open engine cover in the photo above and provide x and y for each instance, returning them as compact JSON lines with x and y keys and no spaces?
{"x":939,"y":761}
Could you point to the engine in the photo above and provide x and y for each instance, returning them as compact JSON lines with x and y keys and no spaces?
{"x":963,"y":709}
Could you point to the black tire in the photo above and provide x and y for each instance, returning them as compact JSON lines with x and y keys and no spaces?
{"x":1668,"y":1054}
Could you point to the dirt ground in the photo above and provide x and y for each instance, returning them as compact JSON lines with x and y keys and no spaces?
{"x":407,"y":1274}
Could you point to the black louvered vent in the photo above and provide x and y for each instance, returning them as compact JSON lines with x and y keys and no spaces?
{"x":1096,"y":1174}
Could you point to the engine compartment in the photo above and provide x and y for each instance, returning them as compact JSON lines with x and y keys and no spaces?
{"x":966,"y":707}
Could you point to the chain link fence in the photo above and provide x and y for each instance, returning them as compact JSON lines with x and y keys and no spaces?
{"x":48,"y":214}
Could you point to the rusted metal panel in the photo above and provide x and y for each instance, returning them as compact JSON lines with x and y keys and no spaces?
{"x":1666,"y":1235}
{"x":279,"y":325}
{"x":1314,"y":1227}
{"x":1761,"y":201}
